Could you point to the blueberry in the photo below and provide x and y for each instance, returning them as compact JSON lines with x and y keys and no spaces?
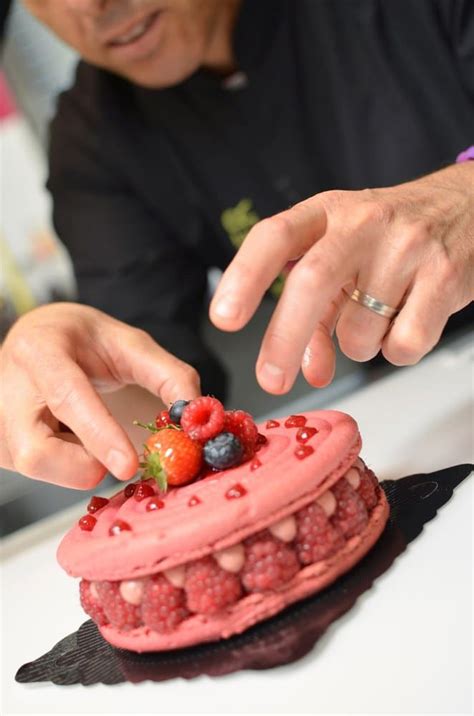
{"x":223,"y":451}
{"x":176,"y":411}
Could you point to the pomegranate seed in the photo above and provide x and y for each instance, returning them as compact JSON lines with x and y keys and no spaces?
{"x":272,"y":424}
{"x":194,"y":501}
{"x":261,"y":441}
{"x":118,"y":526}
{"x":304,"y":434}
{"x":129,"y":490}
{"x":143,"y":490}
{"x":235,"y":491}
{"x":87,"y":523}
{"x":295,"y":421}
{"x":96,"y":503}
{"x":303,"y":451}
{"x":255,"y":464}
{"x":155,"y":504}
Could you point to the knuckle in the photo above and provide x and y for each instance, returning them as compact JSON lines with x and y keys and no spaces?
{"x":311,"y":268}
{"x":279,"y":226}
{"x":372,"y":211}
{"x":406,"y":346}
{"x":60,"y":397}
{"x":334,"y":199}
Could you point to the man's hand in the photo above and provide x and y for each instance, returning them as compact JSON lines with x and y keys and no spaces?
{"x":410,"y":246}
{"x":53,"y":364}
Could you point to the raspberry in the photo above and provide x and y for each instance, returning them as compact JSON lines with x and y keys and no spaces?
{"x":223,"y":451}
{"x":176,"y":411}
{"x":316,"y":538}
{"x":90,"y":604}
{"x":163,"y":419}
{"x":269,"y":563}
{"x":241,"y":424}
{"x":120,"y":613}
{"x":368,"y":488}
{"x":163,"y":606}
{"x":350,"y":516}
{"x":203,"y":418}
{"x":210,"y":588}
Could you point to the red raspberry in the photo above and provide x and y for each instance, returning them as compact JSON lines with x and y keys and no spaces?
{"x":163,"y":606}
{"x":241,"y":424}
{"x":210,"y":588}
{"x":269,"y":563}
{"x":316,"y":538}
{"x":90,"y":604}
{"x":203,"y":418}
{"x":350,"y":516}
{"x":120,"y":613}
{"x":368,"y":488}
{"x":163,"y":419}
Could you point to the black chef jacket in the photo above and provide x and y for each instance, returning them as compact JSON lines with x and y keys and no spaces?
{"x":151,"y":188}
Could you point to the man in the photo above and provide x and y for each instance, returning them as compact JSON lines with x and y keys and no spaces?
{"x":190,"y":120}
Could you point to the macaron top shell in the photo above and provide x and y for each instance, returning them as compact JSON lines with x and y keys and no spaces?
{"x":217,"y":511}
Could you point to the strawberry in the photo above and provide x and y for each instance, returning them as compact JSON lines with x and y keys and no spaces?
{"x":241,"y":424}
{"x":172,"y":458}
{"x":203,"y":418}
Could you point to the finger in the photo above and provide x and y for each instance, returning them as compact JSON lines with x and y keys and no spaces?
{"x":319,"y":359}
{"x":419,"y":325}
{"x":360,"y":331}
{"x":71,"y":398}
{"x":140,"y":360}
{"x":266,"y":250}
{"x":311,"y":286}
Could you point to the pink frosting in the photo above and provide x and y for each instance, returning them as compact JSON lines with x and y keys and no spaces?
{"x":176,"y":534}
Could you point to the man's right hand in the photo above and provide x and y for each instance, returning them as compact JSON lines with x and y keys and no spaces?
{"x":53,"y":364}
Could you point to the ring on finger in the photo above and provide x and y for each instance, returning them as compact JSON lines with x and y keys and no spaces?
{"x":373,"y":304}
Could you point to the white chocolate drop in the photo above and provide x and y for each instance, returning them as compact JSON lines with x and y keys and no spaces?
{"x":285,"y":529}
{"x":231,"y":559}
{"x":176,"y":575}
{"x":327,"y":502}
{"x":132,"y":591}
{"x":93,"y":591}
{"x":353,"y":477}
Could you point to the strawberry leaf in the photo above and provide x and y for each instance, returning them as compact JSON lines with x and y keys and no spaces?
{"x":155,"y":470}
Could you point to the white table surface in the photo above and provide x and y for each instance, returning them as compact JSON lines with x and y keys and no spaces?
{"x":406,"y":647}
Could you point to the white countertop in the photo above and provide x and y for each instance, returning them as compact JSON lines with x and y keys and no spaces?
{"x":406,"y":647}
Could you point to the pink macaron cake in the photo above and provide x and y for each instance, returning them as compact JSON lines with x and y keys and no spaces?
{"x":166,"y":569}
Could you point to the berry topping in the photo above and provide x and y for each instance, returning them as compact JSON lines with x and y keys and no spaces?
{"x":121,"y":614}
{"x":241,"y":424}
{"x":305,"y":434}
{"x":203,"y":418}
{"x":255,"y":464}
{"x":316,"y":537}
{"x":303,"y":451}
{"x":96,"y":503}
{"x":144,"y":489}
{"x":350,"y":516}
{"x":223,"y":451}
{"x":209,"y":588}
{"x":172,"y":458}
{"x":193,"y":501}
{"x":176,"y":411}
{"x":269,"y":563}
{"x":272,"y":424}
{"x":119,"y":526}
{"x":235,"y":491}
{"x":155,"y":504}
{"x":164,"y":606}
{"x":87,"y":523}
{"x":295,"y":421}
{"x":129,"y":490}
{"x":90,"y":604}
{"x":163,"y":419}
{"x":368,"y":489}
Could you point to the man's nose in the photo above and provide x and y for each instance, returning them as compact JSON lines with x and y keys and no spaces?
{"x":90,"y":7}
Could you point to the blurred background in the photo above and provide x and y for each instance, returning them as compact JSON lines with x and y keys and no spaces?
{"x":34,"y":267}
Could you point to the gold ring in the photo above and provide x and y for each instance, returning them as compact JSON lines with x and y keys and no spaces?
{"x":373,"y":304}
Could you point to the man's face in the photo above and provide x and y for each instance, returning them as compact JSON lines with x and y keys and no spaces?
{"x":155,"y":43}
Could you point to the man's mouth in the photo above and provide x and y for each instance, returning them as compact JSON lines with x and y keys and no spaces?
{"x":133,"y":32}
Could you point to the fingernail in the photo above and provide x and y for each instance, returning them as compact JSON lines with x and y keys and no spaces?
{"x":273,"y":376}
{"x":227,"y":307}
{"x":117,"y":463}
